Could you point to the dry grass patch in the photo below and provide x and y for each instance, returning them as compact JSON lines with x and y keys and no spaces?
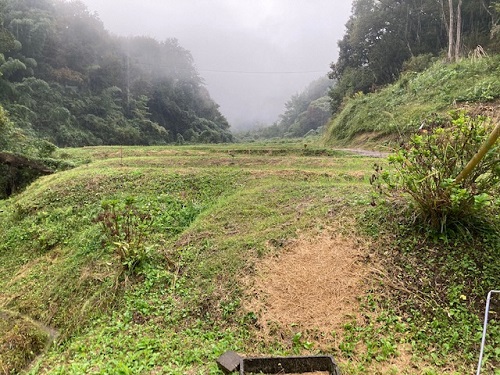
{"x":313,"y":284}
{"x":21,"y":340}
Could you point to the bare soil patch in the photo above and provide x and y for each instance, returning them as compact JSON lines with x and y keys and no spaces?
{"x":314,"y":284}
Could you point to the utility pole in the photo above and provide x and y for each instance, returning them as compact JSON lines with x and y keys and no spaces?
{"x":128,"y":75}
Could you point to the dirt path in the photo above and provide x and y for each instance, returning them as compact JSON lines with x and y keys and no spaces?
{"x":359,"y":151}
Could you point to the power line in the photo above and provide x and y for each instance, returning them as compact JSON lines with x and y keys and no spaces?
{"x":232,"y":71}
{"x":260,"y":72}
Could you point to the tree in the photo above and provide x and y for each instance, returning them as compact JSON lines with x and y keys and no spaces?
{"x":5,"y":130}
{"x":454,"y":28}
{"x":494,"y":11}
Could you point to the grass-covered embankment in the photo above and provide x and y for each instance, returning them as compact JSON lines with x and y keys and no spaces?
{"x":402,"y":107}
{"x":213,"y":210}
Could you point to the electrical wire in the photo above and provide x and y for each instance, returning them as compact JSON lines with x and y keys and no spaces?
{"x":231,"y":71}
{"x":261,"y":72}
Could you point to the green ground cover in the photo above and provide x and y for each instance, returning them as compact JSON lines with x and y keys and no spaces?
{"x":209,"y":215}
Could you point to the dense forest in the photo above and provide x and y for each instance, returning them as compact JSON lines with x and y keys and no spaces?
{"x":65,"y":80}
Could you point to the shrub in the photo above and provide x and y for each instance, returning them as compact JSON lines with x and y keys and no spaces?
{"x":126,"y":229}
{"x":419,"y":63}
{"x":425,"y":168}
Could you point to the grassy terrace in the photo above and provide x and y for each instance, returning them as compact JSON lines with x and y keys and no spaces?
{"x":216,"y":214}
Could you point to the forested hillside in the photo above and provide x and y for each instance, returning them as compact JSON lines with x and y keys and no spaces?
{"x":402,"y":63}
{"x":65,"y":79}
{"x":382,"y":37}
{"x":417,"y":101}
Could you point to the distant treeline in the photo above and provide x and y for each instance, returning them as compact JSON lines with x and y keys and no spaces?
{"x":305,"y":114}
{"x":65,"y":79}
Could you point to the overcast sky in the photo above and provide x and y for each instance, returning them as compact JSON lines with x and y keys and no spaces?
{"x":253,"y":54}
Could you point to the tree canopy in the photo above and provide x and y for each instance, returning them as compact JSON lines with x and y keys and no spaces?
{"x":65,"y":79}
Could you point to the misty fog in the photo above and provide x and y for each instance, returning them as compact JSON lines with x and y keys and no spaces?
{"x":252,"y":54}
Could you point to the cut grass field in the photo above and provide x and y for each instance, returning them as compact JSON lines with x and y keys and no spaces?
{"x":252,"y":248}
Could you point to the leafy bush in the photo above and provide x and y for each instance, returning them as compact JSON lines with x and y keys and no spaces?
{"x":126,"y":229}
{"x":426,"y":167}
{"x":419,"y":63}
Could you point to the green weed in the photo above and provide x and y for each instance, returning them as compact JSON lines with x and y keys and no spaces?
{"x":436,"y":286}
{"x":126,"y":229}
